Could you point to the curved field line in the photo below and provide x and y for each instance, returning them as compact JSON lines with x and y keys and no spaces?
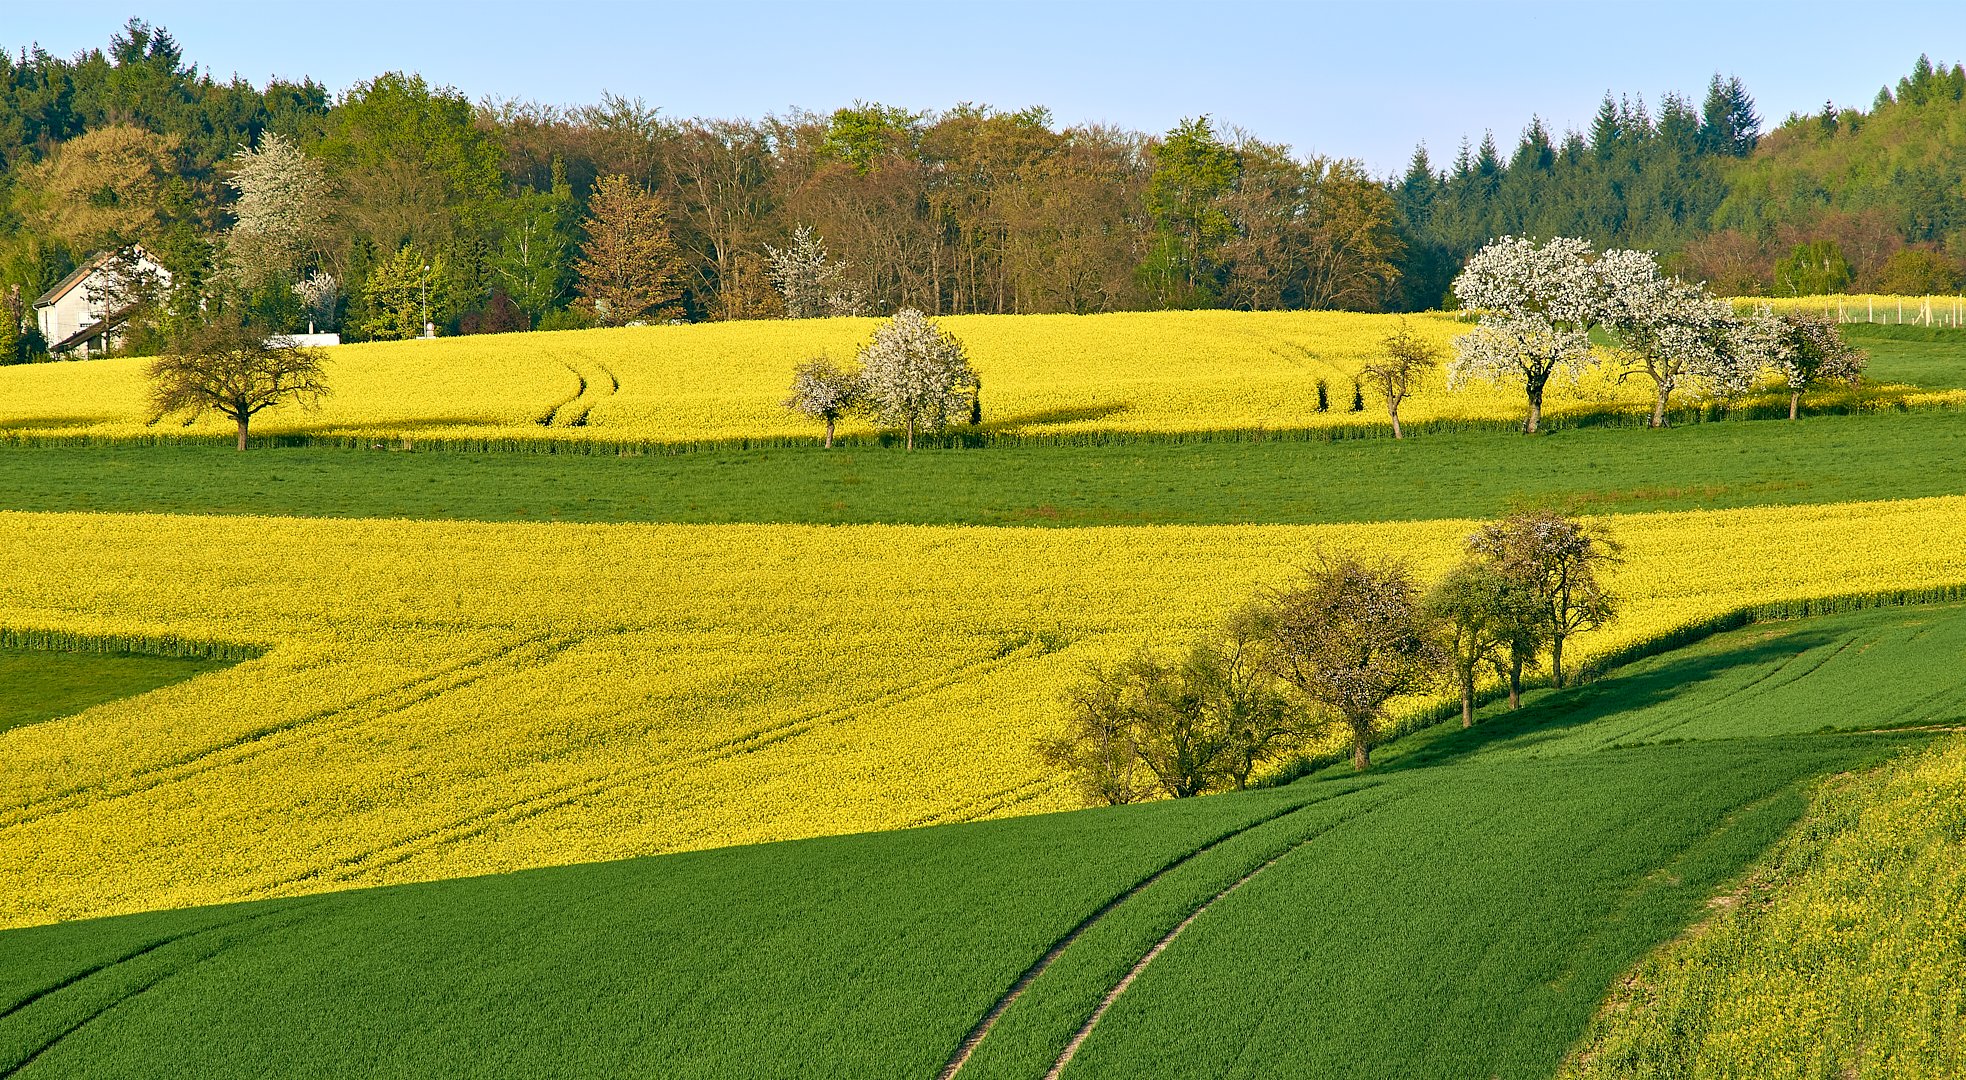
{"x":250,"y":744}
{"x":1085,"y":1031}
{"x":552,"y":798}
{"x":971,"y":1041}
{"x":143,"y":987}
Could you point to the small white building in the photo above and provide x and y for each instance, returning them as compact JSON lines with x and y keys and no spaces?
{"x":71,"y":315}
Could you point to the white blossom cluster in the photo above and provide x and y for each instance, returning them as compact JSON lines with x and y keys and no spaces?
{"x":916,"y":375}
{"x":1672,"y":331}
{"x":812,"y":284}
{"x":1537,"y":304}
{"x":823,"y":390}
{"x":280,"y":211}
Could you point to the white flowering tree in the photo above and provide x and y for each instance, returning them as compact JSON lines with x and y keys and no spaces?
{"x":824,"y":391}
{"x":281,"y":211}
{"x":1536,"y":305}
{"x":320,"y":298}
{"x":1802,"y":347}
{"x":812,"y":284}
{"x":1671,"y":332}
{"x":915,"y":375}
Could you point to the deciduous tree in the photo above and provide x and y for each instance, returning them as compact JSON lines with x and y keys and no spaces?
{"x":1488,"y":618}
{"x":1350,"y":637}
{"x":825,"y":391}
{"x":228,"y":366}
{"x":1670,"y":331}
{"x":917,"y":375}
{"x":1805,"y":349}
{"x":1536,"y":304}
{"x":1405,"y":360}
{"x":1564,"y":561}
{"x":280,"y":215}
{"x":812,"y":285}
{"x":1181,"y":725}
{"x":630,"y":270}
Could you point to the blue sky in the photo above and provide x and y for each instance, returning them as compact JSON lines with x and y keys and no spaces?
{"x":1365,"y":80}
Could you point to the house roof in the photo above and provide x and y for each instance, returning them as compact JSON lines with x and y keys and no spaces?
{"x":81,"y":273}
{"x":75,"y":277}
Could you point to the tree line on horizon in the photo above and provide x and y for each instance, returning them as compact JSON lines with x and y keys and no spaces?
{"x":395,"y":203}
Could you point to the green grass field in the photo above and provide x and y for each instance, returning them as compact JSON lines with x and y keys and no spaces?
{"x":1931,"y":357}
{"x":1599,"y":470}
{"x":1459,"y":911}
{"x":37,"y":685}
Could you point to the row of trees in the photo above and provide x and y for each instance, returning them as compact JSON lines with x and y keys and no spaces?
{"x":397,"y":203}
{"x":1539,"y":302}
{"x":1333,"y":651}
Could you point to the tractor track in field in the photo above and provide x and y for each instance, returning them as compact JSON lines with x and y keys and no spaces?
{"x":554,"y":797}
{"x":590,"y":390}
{"x":251,"y":744}
{"x":976,"y":1035}
{"x":1113,"y":995}
{"x":82,"y":979}
{"x":984,"y":805}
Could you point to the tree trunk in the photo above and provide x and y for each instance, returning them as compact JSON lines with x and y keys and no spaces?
{"x":1556,"y":660}
{"x":1467,"y":701}
{"x":911,"y":433}
{"x":1659,"y":405}
{"x":829,"y":433}
{"x":243,"y":421}
{"x":1535,"y":420}
{"x":1795,"y":403}
{"x":1361,"y":754}
{"x":1515,"y":680}
{"x":1394,"y":410}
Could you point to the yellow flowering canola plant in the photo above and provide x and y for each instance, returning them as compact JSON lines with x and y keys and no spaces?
{"x":439,"y":699}
{"x":1053,"y":376}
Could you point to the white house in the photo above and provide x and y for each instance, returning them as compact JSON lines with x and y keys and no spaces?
{"x":71,"y":315}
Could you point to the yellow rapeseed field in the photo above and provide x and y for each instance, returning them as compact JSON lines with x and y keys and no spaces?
{"x":440,"y":698}
{"x":1048,"y":375}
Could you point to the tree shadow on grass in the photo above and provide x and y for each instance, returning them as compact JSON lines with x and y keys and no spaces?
{"x":1551,"y":714}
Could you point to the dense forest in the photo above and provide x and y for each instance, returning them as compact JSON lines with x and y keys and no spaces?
{"x":395,"y":203}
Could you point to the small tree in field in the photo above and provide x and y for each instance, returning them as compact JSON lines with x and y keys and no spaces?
{"x":234,"y":369}
{"x":916,"y":375}
{"x":1098,"y":748}
{"x":1563,"y":561}
{"x":1406,"y":359}
{"x":824,"y":391}
{"x":1350,"y":637}
{"x":1488,"y":618}
{"x":1804,"y":348}
{"x":1537,"y":304}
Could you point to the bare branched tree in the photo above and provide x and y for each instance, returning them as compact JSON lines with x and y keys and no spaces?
{"x":232,"y":368}
{"x":1406,"y":359}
